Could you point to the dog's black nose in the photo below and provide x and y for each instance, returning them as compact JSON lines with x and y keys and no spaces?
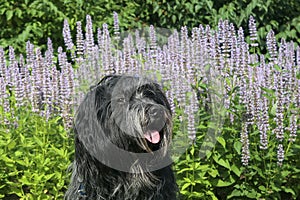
{"x":155,"y":112}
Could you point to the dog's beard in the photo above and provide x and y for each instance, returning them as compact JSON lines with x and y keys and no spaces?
{"x":146,"y":125}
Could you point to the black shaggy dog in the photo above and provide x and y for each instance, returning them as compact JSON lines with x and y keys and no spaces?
{"x":122,"y":133}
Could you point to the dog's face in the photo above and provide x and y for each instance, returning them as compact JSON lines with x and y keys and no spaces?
{"x":124,"y":120}
{"x":134,"y":112}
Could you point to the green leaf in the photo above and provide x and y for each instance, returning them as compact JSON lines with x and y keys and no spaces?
{"x":277,"y":68}
{"x":221,"y":183}
{"x":9,"y":14}
{"x":235,"y":193}
{"x":24,"y":180}
{"x":14,"y":173}
{"x":222,"y":141}
{"x":192,"y":151}
{"x":214,"y":173}
{"x":289,"y":190}
{"x":174,"y":19}
{"x":210,"y":4}
{"x":11,"y":145}
{"x":273,"y":109}
{"x":7,"y":159}
{"x":262,"y":188}
{"x":197,"y":8}
{"x":298,"y":76}
{"x":236,"y":170}
{"x":224,"y":163}
{"x":237,"y":146}
{"x":204,"y":167}
{"x":38,"y":141}
{"x":18,"y":153}
{"x":48,"y":177}
{"x":184,"y":170}
{"x":252,"y":194}
{"x":186,"y":185}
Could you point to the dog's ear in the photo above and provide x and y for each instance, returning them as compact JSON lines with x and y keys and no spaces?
{"x":88,"y":130}
{"x":104,"y":81}
{"x":108,"y":78}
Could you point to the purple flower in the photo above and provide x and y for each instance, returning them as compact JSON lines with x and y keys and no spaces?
{"x":153,"y":43}
{"x":54,"y":74}
{"x":29,"y":53}
{"x":67,"y":35}
{"x":250,"y":97}
{"x":243,"y":75}
{"x":19,"y":90}
{"x":36,"y":79}
{"x":4,"y":101}
{"x":279,"y":130}
{"x":89,"y":34}
{"x":66,"y":93}
{"x":116,"y":26}
{"x":2,"y":64}
{"x":191,"y":110}
{"x":253,"y":32}
{"x":263,"y":125}
{"x":272,"y":45}
{"x":293,"y":128}
{"x":280,"y":155}
{"x":106,"y":51}
{"x":79,"y":41}
{"x":12,"y":68}
{"x":245,"y":144}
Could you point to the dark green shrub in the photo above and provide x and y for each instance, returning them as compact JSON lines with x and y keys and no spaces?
{"x":36,"y":20}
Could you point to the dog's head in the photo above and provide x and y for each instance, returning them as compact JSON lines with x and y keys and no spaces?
{"x":133,"y":110}
{"x":124,"y":113}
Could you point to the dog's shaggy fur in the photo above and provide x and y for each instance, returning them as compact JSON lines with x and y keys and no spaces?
{"x":122,"y":134}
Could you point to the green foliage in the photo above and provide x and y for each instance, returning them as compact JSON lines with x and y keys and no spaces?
{"x":35,"y":155}
{"x":282,"y":17}
{"x":37,"y":20}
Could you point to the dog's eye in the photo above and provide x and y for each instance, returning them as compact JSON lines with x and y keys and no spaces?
{"x":121,"y":100}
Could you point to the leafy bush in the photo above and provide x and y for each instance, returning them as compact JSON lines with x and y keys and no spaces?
{"x":35,"y":155}
{"x":37,"y":20}
{"x":282,"y":17}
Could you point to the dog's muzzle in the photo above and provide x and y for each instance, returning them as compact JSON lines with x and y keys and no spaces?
{"x":157,"y":122}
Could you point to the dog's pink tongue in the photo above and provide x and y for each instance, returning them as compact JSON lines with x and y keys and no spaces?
{"x":153,"y":136}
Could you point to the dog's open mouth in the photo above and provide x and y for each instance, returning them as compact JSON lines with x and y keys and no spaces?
{"x":152,"y":136}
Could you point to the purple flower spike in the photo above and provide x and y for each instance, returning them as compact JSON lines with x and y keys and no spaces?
{"x":272,"y":45}
{"x":293,"y":128}
{"x":245,"y":144}
{"x":279,"y":130}
{"x":67,"y":35}
{"x":116,"y":26}
{"x":280,"y":155}
{"x":79,"y":40}
{"x":89,"y":34}
{"x":253,"y":32}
